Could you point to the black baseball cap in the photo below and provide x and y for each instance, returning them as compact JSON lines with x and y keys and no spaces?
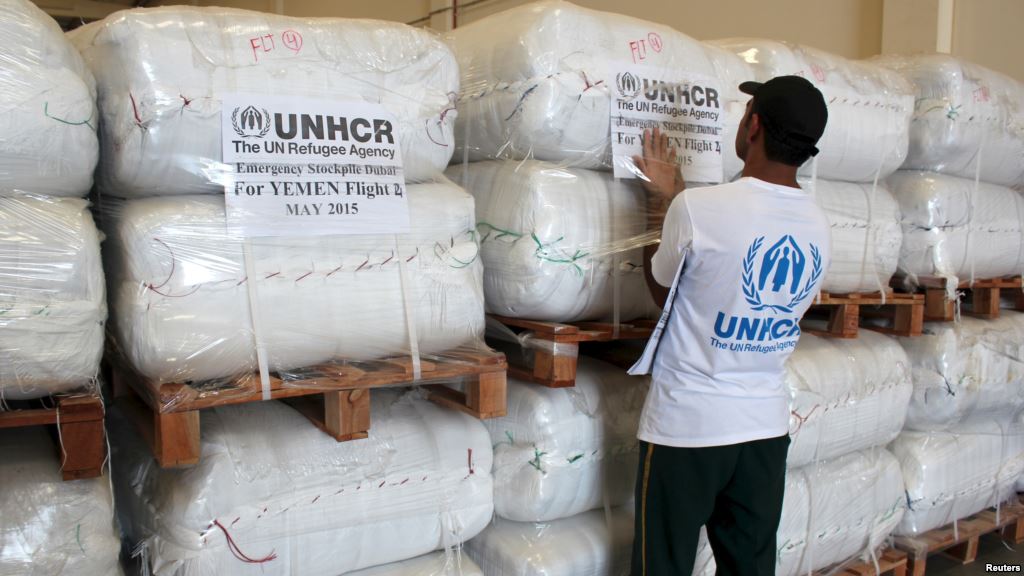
{"x":791,"y":109}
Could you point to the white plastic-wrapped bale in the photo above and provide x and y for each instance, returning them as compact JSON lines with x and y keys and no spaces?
{"x":837,"y":510}
{"x":537,"y":80}
{"x":49,"y":527}
{"x":833,"y":512}
{"x":964,"y":114}
{"x":558,"y":243}
{"x":866,"y":235}
{"x":845,"y":395}
{"x":161,"y":73}
{"x":588,"y":544}
{"x":869,"y":107}
{"x":275,"y":496}
{"x":956,"y":228}
{"x":52,"y":303}
{"x":180,"y":299}
{"x":952,"y":474}
{"x":563,"y":451}
{"x":445,"y":563}
{"x":47,"y":107}
{"x":966,"y":370}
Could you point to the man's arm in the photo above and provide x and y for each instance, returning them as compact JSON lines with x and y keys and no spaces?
{"x":661,"y":178}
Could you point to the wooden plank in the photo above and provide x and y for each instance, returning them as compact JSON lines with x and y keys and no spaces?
{"x":937,"y":307}
{"x":326,"y":378}
{"x":82,"y":436}
{"x":537,"y":326}
{"x":558,"y":370}
{"x":961,"y":544}
{"x":31,"y":417}
{"x":334,"y":396}
{"x":176,"y":439}
{"x":985,"y":303}
{"x":909,"y":320}
{"x":484,"y":398}
{"x":83,"y":448}
{"x":343,"y":415}
{"x":890,"y":562}
{"x":965,"y":552}
{"x":843,"y":321}
{"x":347,"y":414}
{"x":83,"y":408}
{"x":173,"y":438}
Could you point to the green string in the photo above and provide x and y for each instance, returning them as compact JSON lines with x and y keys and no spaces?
{"x":574,"y":458}
{"x":78,"y":537}
{"x":543,"y":250}
{"x":501,"y":232}
{"x":46,"y":112}
{"x":570,"y":260}
{"x":536,"y":459}
{"x":508,"y":435}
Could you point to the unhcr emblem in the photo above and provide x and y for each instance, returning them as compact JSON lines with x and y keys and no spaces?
{"x":251,"y":122}
{"x":773,"y":280}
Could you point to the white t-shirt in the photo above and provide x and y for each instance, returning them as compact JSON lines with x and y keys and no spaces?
{"x":750,"y":258}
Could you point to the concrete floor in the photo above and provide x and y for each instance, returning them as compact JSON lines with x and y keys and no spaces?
{"x":991,"y":549}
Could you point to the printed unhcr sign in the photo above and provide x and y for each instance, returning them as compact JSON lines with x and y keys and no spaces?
{"x":686,"y":107}
{"x":310,"y":167}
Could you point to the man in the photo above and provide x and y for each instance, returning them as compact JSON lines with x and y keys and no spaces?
{"x":737,"y":266}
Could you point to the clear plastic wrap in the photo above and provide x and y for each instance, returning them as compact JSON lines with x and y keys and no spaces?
{"x":866,"y":234}
{"x":958,"y":228}
{"x":47,"y":107}
{"x":52,"y":303}
{"x":563,"y":451}
{"x":296,"y":502}
{"x":447,"y":563}
{"x":594,"y":543}
{"x":161,"y":73}
{"x":952,"y":474}
{"x":834,"y":512}
{"x":845,"y":395}
{"x":559,"y":244}
{"x":538,"y":81}
{"x":972,"y":369}
{"x":869,"y":107}
{"x":193,"y":301}
{"x":49,"y":527}
{"x":968,"y":120}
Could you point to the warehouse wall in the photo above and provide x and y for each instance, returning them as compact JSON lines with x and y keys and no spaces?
{"x":989,"y":32}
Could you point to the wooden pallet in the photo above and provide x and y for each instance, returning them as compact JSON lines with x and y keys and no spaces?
{"x":984,"y":297}
{"x":891,"y":562}
{"x":558,"y":369}
{"x":334,"y":396}
{"x":903,"y":313}
{"x":80,"y":437}
{"x":962,"y":544}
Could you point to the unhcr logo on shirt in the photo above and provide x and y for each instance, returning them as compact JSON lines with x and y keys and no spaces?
{"x":777,"y":279}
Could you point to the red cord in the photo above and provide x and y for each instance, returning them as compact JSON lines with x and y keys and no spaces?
{"x":237,"y":552}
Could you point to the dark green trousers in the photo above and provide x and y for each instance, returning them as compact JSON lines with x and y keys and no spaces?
{"x":736,"y":491}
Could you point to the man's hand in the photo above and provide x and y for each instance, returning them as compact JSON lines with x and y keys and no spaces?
{"x":660,"y":176}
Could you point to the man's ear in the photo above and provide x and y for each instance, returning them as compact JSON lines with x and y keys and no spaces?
{"x":754,"y":128}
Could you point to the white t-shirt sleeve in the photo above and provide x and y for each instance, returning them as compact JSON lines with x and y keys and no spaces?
{"x":676,"y":237}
